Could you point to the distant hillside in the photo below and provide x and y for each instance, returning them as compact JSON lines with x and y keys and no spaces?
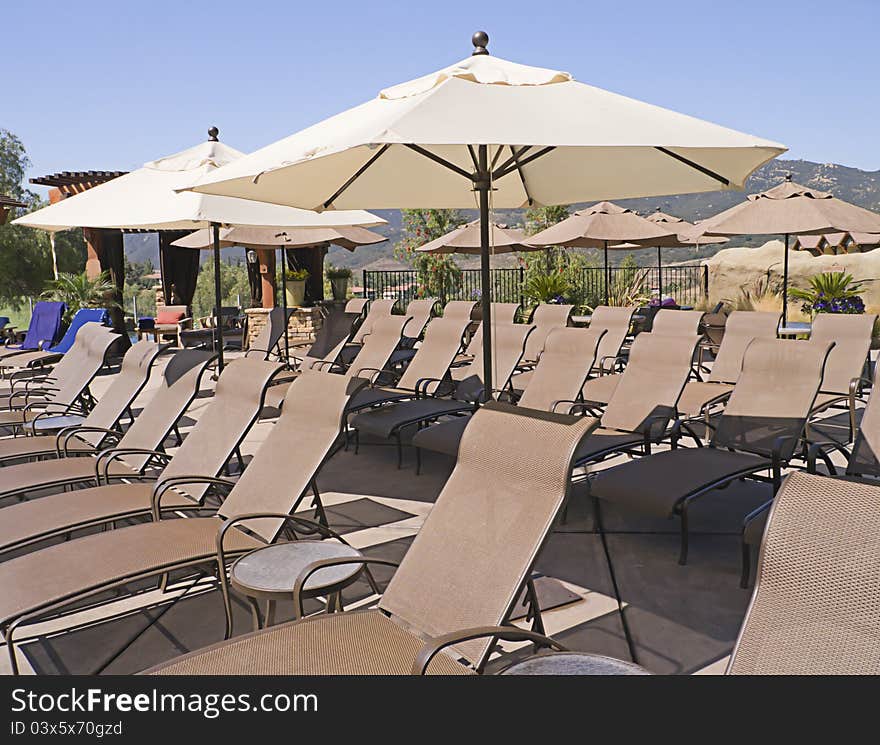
{"x":851,"y":184}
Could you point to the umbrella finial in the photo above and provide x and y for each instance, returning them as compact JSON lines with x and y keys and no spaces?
{"x":212,"y":134}
{"x":788,"y":176}
{"x":480,"y":40}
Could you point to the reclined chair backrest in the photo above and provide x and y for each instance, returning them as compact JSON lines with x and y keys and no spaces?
{"x":741,"y":328}
{"x":378,"y":346}
{"x":851,"y":335}
{"x":137,"y":364}
{"x":379,"y":308}
{"x":459,"y":309}
{"x":865,"y":458}
{"x":471,"y":558}
{"x":815,"y":609}
{"x":45,"y":324}
{"x":677,"y":322}
{"x":505,"y":312}
{"x":180,"y":383}
{"x":222,"y":425}
{"x":772,"y":397}
{"x":420,"y":311}
{"x":436,"y":353}
{"x":508,"y":344}
{"x":616,"y":321}
{"x":569,"y":355}
{"x":278,"y":475}
{"x":80,"y":318}
{"x":545,"y":318}
{"x":270,"y":336}
{"x":96,"y":342}
{"x":651,"y":384}
{"x":335,"y":331}
{"x":356,"y":305}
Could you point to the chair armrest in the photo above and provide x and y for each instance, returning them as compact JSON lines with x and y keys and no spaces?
{"x":63,"y":437}
{"x":309,"y":570}
{"x":163,"y":485}
{"x":819,"y":449}
{"x":755,"y":513}
{"x":49,"y":411}
{"x":371,"y":379}
{"x":106,"y":457}
{"x":321,"y":363}
{"x":498,"y":633}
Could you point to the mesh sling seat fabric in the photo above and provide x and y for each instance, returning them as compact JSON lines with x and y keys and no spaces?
{"x":677,"y":322}
{"x":760,"y":429}
{"x":617,"y":322}
{"x":466,"y":567}
{"x":267,"y":342}
{"x":741,"y":328}
{"x":137,"y":365}
{"x":815,"y":609}
{"x":459,"y":309}
{"x":568,"y":356}
{"x":56,"y":352}
{"x":219,"y":431}
{"x":545,"y":318}
{"x":68,"y":391}
{"x":274,"y":483}
{"x":180,"y":384}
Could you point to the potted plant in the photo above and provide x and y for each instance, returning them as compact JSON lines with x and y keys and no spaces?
{"x":339,"y":277}
{"x":295,"y":287}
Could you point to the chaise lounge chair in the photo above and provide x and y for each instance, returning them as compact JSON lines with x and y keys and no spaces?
{"x":545,"y":318}
{"x":43,"y":330}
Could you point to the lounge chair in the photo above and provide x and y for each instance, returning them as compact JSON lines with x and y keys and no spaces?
{"x":357,"y":305}
{"x":845,"y":369}
{"x":505,"y":312}
{"x":761,"y":429}
{"x":420,"y":312}
{"x":400,"y":419}
{"x":206,"y":337}
{"x":425,"y":373}
{"x":48,"y":581}
{"x":465,"y":569}
{"x":267,"y":344}
{"x":206,"y":451}
{"x":43,"y":330}
{"x":545,"y":317}
{"x":180,"y":384}
{"x":677,"y":322}
{"x":171,"y":321}
{"x":137,"y":364}
{"x":700,"y":397}
{"x":459,"y":309}
{"x":378,"y":309}
{"x":814,"y":610}
{"x":372,"y":357}
{"x":54,"y":353}
{"x":69,"y":391}
{"x":569,"y":355}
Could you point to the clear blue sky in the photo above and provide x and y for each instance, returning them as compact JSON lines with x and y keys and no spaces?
{"x":94,"y":84}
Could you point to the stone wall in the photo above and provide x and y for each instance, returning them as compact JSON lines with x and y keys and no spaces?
{"x":303,"y":325}
{"x":734,"y":269}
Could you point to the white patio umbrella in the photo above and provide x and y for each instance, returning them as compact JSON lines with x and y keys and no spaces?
{"x":150,"y":198}
{"x":489,"y":127}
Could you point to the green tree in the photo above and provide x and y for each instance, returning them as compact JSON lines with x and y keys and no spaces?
{"x":438,"y":274}
{"x":79,"y":291}
{"x":233,"y":282}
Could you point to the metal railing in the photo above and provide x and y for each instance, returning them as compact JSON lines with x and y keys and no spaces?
{"x":687,"y":283}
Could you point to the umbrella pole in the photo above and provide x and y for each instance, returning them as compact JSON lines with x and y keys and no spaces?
{"x":606,"y":273}
{"x":284,"y":304}
{"x":481,"y":184}
{"x":660,"y":276}
{"x":215,"y":227}
{"x":785,"y":284}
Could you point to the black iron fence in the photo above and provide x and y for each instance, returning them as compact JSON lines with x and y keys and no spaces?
{"x":688,"y":284}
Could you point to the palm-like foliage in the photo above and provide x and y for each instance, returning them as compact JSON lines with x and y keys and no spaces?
{"x":834,"y":292}
{"x":628,"y":289}
{"x":546,"y":288}
{"x":81,"y":291}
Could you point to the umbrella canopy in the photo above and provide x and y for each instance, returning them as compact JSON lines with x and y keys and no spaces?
{"x":525,"y":135}
{"x":147,"y":199}
{"x":466,"y":240}
{"x":253,"y":237}
{"x":791,"y":209}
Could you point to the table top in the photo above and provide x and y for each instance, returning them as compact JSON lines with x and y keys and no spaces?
{"x":573,"y":663}
{"x":58,"y":422}
{"x":794,"y":328}
{"x":275,"y":568}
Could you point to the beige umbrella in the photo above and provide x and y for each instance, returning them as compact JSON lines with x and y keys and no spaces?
{"x":607,"y":226}
{"x":254,"y":237}
{"x":466,"y":240}
{"x":791,"y":209}
{"x":486,"y":126}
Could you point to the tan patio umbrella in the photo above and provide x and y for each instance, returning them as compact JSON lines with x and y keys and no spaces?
{"x":254,"y":237}
{"x":607,"y":226}
{"x":467,"y":240}
{"x":791,"y":209}
{"x":486,"y":126}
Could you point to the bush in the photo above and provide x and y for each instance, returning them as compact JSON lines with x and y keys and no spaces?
{"x":337,"y":272}
{"x":830,"y":292}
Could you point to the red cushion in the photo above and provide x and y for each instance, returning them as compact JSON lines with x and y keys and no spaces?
{"x":168,"y":316}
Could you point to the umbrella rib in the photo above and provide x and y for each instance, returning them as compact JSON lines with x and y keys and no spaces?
{"x":692,"y":164}
{"x":473,"y":158}
{"x":497,"y":156}
{"x":355,"y":176}
{"x":512,"y":159}
{"x":502,"y":172}
{"x":440,"y":161}
{"x":522,"y":177}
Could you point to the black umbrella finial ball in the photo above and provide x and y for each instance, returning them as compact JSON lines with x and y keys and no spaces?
{"x":212,"y":134}
{"x":480,"y":40}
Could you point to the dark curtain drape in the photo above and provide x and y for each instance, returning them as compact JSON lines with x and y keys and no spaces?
{"x":179,"y":267}
{"x":312,"y":259}
{"x":111,"y":256}
{"x":255,"y":281}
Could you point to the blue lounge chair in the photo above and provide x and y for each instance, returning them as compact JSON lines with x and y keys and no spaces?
{"x":43,"y":331}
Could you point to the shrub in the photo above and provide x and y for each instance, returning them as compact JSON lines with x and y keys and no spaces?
{"x":830,"y":292}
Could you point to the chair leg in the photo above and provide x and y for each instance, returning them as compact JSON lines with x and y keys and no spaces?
{"x":320,"y":514}
{"x":746,"y":565}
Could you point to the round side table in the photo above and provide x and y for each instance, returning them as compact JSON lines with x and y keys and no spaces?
{"x":573,"y":663}
{"x":270,"y":574}
{"x":55,"y":423}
